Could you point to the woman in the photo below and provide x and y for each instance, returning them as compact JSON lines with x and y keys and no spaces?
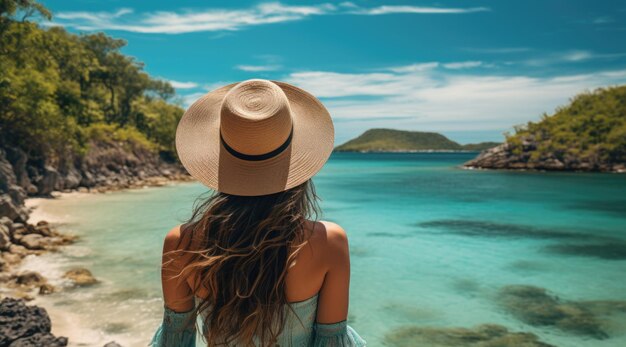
{"x":252,"y":265}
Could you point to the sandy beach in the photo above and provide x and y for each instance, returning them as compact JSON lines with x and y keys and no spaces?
{"x":64,"y":321}
{"x":61,"y":306}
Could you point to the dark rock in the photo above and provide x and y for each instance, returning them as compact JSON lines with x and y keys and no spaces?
{"x":607,"y":251}
{"x":6,"y":222}
{"x":534,"y":306}
{"x":7,"y":176}
{"x":112,"y":344}
{"x":18,"y":159}
{"x":44,"y":230}
{"x":18,"y":227}
{"x":46,"y":289}
{"x":33,"y":241}
{"x":18,"y":250}
{"x":5,"y":238}
{"x":87,"y":180}
{"x":11,"y":195}
{"x":31,"y":189}
{"x":80,"y":277}
{"x":17,"y":194}
{"x":72,"y":179}
{"x":40,"y":340}
{"x":47,"y":181}
{"x":526,"y":157}
{"x":486,"y":335}
{"x":9,"y":209}
{"x":20,"y":321}
{"x":30,"y":279}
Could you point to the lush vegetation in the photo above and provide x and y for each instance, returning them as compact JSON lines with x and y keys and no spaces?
{"x":592,"y":129}
{"x":479,"y":146}
{"x":390,"y":140}
{"x":59,"y":91}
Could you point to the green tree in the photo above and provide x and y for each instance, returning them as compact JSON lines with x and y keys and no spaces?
{"x":60,"y":91}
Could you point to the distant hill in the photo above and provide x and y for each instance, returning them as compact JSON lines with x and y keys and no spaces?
{"x":390,"y":140}
{"x":589,"y":134}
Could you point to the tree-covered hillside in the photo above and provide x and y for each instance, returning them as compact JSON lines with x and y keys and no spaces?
{"x":589,"y":134}
{"x":391,"y":140}
{"x":59,"y":91}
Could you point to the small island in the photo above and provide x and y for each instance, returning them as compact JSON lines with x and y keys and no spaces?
{"x":391,"y":140}
{"x":589,"y":135}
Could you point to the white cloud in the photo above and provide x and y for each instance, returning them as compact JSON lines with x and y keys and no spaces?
{"x":334,"y":84}
{"x":183,"y":85}
{"x":168,"y":22}
{"x":95,"y":16}
{"x":577,"y":56}
{"x":189,"y":99}
{"x":416,"y":10}
{"x":415,"y":67}
{"x":499,"y":50}
{"x":257,"y":68}
{"x":437,"y":100}
{"x":463,"y":65}
{"x":573,"y":56}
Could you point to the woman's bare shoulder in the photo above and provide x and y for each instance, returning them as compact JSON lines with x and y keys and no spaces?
{"x":172,"y":239}
{"x":330,"y":239}
{"x":177,"y":238}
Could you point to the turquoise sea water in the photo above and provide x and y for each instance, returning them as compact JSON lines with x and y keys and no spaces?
{"x":431,"y":245}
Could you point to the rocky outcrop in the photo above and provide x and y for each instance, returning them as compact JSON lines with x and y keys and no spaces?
{"x":18,"y":240}
{"x":22,"y":326}
{"x":80,"y":277}
{"x":525,"y":158}
{"x":105,"y":166}
{"x":12,"y":195}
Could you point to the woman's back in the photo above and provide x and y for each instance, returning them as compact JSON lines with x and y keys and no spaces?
{"x":317,"y":285}
{"x":305,"y":276}
{"x":249,"y":254}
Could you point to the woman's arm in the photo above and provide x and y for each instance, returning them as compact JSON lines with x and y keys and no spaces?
{"x":331,"y":328}
{"x":178,"y":326}
{"x":333,"y":302}
{"x":176,"y":292}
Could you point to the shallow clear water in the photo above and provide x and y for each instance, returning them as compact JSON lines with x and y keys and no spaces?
{"x":431,"y":245}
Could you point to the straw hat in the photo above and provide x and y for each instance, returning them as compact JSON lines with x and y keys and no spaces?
{"x":255,"y":137}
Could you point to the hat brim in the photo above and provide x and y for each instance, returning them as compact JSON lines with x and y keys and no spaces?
{"x":203,"y":155}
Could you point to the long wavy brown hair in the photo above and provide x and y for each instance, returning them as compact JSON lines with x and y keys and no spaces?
{"x":241,"y":248}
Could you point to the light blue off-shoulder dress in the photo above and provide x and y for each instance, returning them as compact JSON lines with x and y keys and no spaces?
{"x":300,"y":330}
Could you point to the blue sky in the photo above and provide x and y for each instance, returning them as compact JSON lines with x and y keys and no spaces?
{"x":468,"y":69}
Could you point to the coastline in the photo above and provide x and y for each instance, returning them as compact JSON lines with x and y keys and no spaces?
{"x":410,"y":151}
{"x":504,"y":157}
{"x":31,"y":203}
{"x":126,"y":308}
{"x":34,"y":263}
